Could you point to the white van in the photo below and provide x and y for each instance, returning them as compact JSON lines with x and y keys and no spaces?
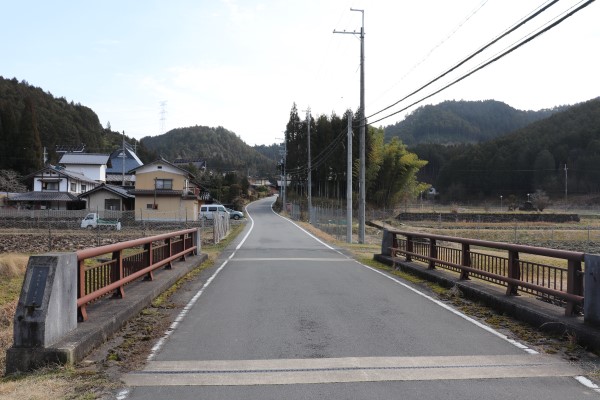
{"x":207,"y":211}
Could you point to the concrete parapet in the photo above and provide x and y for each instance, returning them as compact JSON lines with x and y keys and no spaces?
{"x":591,"y":306}
{"x":64,"y":345}
{"x":46,"y":311}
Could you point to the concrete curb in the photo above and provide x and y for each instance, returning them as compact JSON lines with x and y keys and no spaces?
{"x":543,"y":316}
{"x":106,"y":317}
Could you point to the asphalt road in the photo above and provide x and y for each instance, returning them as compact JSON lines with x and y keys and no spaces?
{"x":288,"y":317}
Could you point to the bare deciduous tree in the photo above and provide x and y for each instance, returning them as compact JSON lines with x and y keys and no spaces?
{"x":10,"y":181}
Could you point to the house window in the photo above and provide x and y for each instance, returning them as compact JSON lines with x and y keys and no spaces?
{"x":166,"y":184}
{"x":152,"y":206}
{"x":112,"y":204}
{"x":50,"y":186}
{"x":83,"y":188}
{"x":73,"y":186}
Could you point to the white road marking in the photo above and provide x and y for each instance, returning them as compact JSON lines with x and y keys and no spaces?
{"x":588,"y":383}
{"x":293,"y":259}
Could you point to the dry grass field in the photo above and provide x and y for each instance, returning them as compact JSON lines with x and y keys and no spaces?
{"x":12,"y":270}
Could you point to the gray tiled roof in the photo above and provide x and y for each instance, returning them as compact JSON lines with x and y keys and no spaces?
{"x":84,"y":159}
{"x":75,"y":175}
{"x":44,"y":196}
{"x":61,"y":171}
{"x":118,"y":190}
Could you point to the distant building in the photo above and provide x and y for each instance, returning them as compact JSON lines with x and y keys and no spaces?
{"x":91,"y":165}
{"x":121,"y":161}
{"x":199,"y":164}
{"x":54,"y":188}
{"x":165,"y":191}
{"x":108,"y":197}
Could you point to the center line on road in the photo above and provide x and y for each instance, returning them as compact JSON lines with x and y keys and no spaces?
{"x":158,"y":346}
{"x":292,"y":259}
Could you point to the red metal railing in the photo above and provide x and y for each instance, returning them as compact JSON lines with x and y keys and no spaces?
{"x":107,"y":269}
{"x":551,"y":283}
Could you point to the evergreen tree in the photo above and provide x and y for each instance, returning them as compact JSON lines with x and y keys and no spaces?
{"x":9,"y":157}
{"x":544,"y":171}
{"x":29,"y":145}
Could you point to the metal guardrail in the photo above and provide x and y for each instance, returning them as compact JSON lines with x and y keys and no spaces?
{"x":552,"y":283}
{"x":107,"y":269}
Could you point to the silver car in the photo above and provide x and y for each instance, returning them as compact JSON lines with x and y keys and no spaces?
{"x":234,"y":214}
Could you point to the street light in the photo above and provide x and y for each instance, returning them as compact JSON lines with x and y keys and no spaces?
{"x":527,"y":196}
{"x":500,"y":202}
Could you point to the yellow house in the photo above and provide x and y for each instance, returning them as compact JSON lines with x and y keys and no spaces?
{"x":165,"y":192}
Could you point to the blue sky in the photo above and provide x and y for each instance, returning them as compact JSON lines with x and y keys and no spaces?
{"x":242,"y":64}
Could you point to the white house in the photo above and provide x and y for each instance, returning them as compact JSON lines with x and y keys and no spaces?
{"x":55,"y":188}
{"x":91,"y":165}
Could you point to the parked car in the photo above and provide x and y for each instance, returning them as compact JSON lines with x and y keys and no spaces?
{"x":208,"y":211}
{"x":92,"y":220}
{"x":233,"y":214}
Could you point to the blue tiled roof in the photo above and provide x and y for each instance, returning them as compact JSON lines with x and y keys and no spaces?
{"x":116,"y":160}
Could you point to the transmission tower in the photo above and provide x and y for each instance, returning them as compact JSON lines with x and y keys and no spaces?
{"x":163,"y":116}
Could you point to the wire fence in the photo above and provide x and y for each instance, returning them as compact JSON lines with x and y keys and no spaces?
{"x":558,"y":231}
{"x":332,"y":219}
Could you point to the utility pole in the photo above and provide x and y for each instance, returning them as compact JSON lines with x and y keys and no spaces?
{"x":284,"y":172}
{"x":123,"y":160}
{"x":310,"y":210}
{"x":163,"y":112}
{"x":349,"y":182}
{"x":283,"y":154}
{"x":363,"y":123}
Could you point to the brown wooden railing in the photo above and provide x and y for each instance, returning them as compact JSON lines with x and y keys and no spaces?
{"x":551,"y":283}
{"x":107,"y":269}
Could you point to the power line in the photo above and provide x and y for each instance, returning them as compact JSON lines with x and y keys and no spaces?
{"x":507,"y":32}
{"x":322,"y":157}
{"x":430,"y":52}
{"x":487,"y":63}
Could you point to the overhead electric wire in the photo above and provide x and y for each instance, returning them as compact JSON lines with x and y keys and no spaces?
{"x":430,"y":52}
{"x":507,"y":32}
{"x":323,"y":156}
{"x":494,"y":59}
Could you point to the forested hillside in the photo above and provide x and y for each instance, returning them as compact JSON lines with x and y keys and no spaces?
{"x":532,"y":158}
{"x":31,"y":119}
{"x":453,"y":122}
{"x":272,"y":152}
{"x":223,"y":150}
